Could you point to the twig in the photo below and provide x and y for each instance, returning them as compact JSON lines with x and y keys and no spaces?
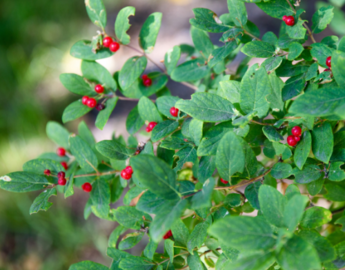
{"x":95,"y":174}
{"x":251,"y":35}
{"x":259,"y":123}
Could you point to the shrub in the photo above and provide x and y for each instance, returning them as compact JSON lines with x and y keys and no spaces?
{"x":213,"y":159}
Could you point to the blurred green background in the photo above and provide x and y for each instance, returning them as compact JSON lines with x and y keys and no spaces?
{"x":35,"y":38}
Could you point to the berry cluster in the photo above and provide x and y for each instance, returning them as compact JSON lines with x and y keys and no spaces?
{"x":127,"y":172}
{"x":90,"y":102}
{"x":113,"y":46}
{"x":174,"y":111}
{"x":150,"y":126}
{"x":167,"y":235}
{"x":289,"y":20}
{"x":146,"y":80}
{"x":61,"y":178}
{"x":293,"y":139}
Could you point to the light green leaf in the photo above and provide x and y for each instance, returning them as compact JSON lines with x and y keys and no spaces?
{"x":103,"y":116}
{"x":150,"y":249}
{"x":294,"y":211}
{"x":322,"y":18}
{"x":149,"y":32}
{"x":114,"y":150}
{"x":321,"y":51}
{"x":191,"y":70}
{"x":40,"y":164}
{"x":129,"y":217}
{"x":281,"y":170}
{"x":322,"y":136}
{"x":336,"y":173}
{"x":338,"y":61}
{"x":76,"y":84}
{"x":298,"y":31}
{"x":131,"y":71}
{"x":258,"y":49}
{"x":316,"y":217}
{"x":198,"y":235}
{"x":83,"y":50}
{"x":275,"y":98}
{"x":96,"y":72}
{"x":134,"y":121}
{"x":201,"y":41}
{"x":130,"y":240}
{"x":163,"y":129}
{"x":207,"y":20}
{"x":87,"y":265}
{"x":100,"y":198}
{"x":74,"y":110}
{"x":41,"y":202}
{"x":295,"y":49}
{"x":96,"y":11}
{"x":276,"y":8}
{"x":122,"y":24}
{"x":238,"y":12}
{"x":171,"y":59}
{"x":136,"y":263}
{"x":203,"y":198}
{"x":83,"y":153}
{"x":148,"y":110}
{"x":23,"y":182}
{"x":57,"y":133}
{"x":302,"y":150}
{"x":230,"y":90}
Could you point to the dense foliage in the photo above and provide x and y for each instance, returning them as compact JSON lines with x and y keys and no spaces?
{"x":249,"y":130}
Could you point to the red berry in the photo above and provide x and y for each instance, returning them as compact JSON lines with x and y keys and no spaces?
{"x":328,"y":61}
{"x":138,"y":151}
{"x":291,"y":140}
{"x":284,"y":19}
{"x":125,"y":175}
{"x":84,"y":100}
{"x":148,"y":129}
{"x":223,"y":181}
{"x":61,"y":175}
{"x":167,"y":235}
{"x":61,"y":151}
{"x":327,"y":69}
{"x":47,"y":172}
{"x":62,"y":181}
{"x":129,"y":169}
{"x":99,"y":88}
{"x":91,"y":103}
{"x":100,"y":107}
{"x":114,"y":46}
{"x":147,"y":82}
{"x":151,"y":125}
{"x":64,"y":164}
{"x":297,"y":138}
{"x":174,"y":111}
{"x":290,"y":21}
{"x":144,"y":77}
{"x":107,"y":41}
{"x":296,"y":131}
{"x":87,"y":187}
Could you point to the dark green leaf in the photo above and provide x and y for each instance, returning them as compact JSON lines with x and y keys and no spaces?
{"x":131,"y":71}
{"x":272,"y":63}
{"x":281,"y":170}
{"x":74,"y":110}
{"x":114,"y":236}
{"x":148,"y":110}
{"x":298,"y":31}
{"x":191,"y":70}
{"x":238,"y":12}
{"x":96,"y":72}
{"x":100,"y":198}
{"x":336,"y":173}
{"x":321,"y":52}
{"x":41,"y":202}
{"x":87,"y":265}
{"x":198,"y":235}
{"x":258,"y":49}
{"x":129,"y":217}
{"x":302,"y":150}
{"x":221,"y":53}
{"x":276,"y":8}
{"x":149,"y":32}
{"x":130,"y":240}
{"x":76,"y":84}
{"x":163,"y":129}
{"x":150,"y":249}
{"x":83,"y":50}
{"x":322,"y":18}
{"x":338,"y":60}
{"x":294,"y":211}
{"x":295,"y":49}
{"x":38,"y":166}
{"x":171,"y":59}
{"x":316,"y":217}
{"x":272,"y":134}
{"x":114,"y":150}
{"x":309,"y":174}
{"x":136,"y":263}
{"x":103,"y":116}
{"x":201,"y":41}
{"x":207,"y":20}
{"x":83,"y":153}
{"x":323,"y":142}
{"x":252,"y":194}
{"x":134,"y":121}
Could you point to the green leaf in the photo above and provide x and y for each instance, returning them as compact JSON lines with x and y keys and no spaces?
{"x":221,"y":53}
{"x":323,"y":142}
{"x":180,"y":232}
{"x":136,"y":263}
{"x":150,"y":249}
{"x":131,"y":194}
{"x":130,"y":240}
{"x":203,"y":198}
{"x":96,"y":72}
{"x":195,"y":130}
{"x":87,"y":265}
{"x":256,"y":261}
{"x":272,"y":63}
{"x":198,"y":235}
{"x":255,"y":87}
{"x":148,"y":110}
{"x":165,"y":217}
{"x":330,"y":101}
{"x":163,"y":129}
{"x":194,"y":262}
{"x":74,"y":110}
{"x":275,"y":97}
{"x":272,"y":134}
{"x":238,"y":12}
{"x":294,"y":211}
{"x":41,"y":202}
{"x":134,"y":121}
{"x":122,"y":24}
{"x":232,"y":200}
{"x":309,"y":174}
{"x":207,"y":165}
{"x":117,"y":256}
{"x":258,"y":49}
{"x":103,"y":116}
{"x":298,"y":254}
{"x":191,"y":70}
{"x":40,"y":164}
{"x":298,"y":31}
{"x":322,"y":18}
{"x":316,"y":217}
{"x":83,"y":153}
{"x":164,"y":104}
{"x":76,"y":84}
{"x":58,"y":134}
{"x":252,"y":194}
{"x":114,"y":236}
{"x":147,"y":168}
{"x":131,"y":71}
{"x":96,"y":11}
{"x":169,"y":248}
{"x":150,"y":203}
{"x":114,"y":150}
{"x":86,"y":134}
{"x":129,"y":217}
{"x":149,"y":32}
{"x":336,"y":173}
{"x":295,"y":50}
{"x":338,"y":60}
{"x":171,"y":58}
{"x":100,"y":197}
{"x":243,"y":233}
{"x":187,"y":154}
{"x":230,"y":90}
{"x":276,"y":8}
{"x":272,"y":205}
{"x":281,"y":170}
{"x":174,"y":143}
{"x":312,"y":72}
{"x":83,"y":50}
{"x":207,"y":20}
{"x":207,"y":107}
{"x":230,"y":156}
{"x":321,"y":52}
{"x":68,"y":191}
{"x":315,"y":187}
{"x":201,"y":41}
{"x":23,"y":182}
{"x":335,"y":192}
{"x":302,"y":150}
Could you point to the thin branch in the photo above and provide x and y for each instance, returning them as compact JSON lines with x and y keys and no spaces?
{"x":251,"y":35}
{"x":132,"y":99}
{"x":95,"y":174}
{"x":259,"y":123}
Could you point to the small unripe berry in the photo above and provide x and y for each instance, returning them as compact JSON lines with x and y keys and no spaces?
{"x":61,"y":175}
{"x":167,"y":235}
{"x":329,"y":61}
{"x":291,"y":140}
{"x":107,"y":41}
{"x":151,"y":126}
{"x":62,"y":181}
{"x":47,"y":172}
{"x":64,"y":164}
{"x":223,"y":181}
{"x":100,"y":107}
{"x":129,"y":169}
{"x":125,"y":175}
{"x":297,"y":138}
{"x":290,"y":21}
{"x":99,"y":88}
{"x":91,"y":103}
{"x":114,"y":46}
{"x":61,"y":151}
{"x":174,"y":111}
{"x":84,"y":100}
{"x":87,"y":187}
{"x":147,"y":82}
{"x":296,"y":131}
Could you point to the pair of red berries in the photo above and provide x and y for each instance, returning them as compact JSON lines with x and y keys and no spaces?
{"x":90,"y":102}
{"x":167,"y":235}
{"x":150,"y":126}
{"x":127,"y":172}
{"x":61,"y":178}
{"x":289,"y":20}
{"x":113,"y":46}
{"x":146,"y":80}
{"x":293,"y":139}
{"x":174,"y":111}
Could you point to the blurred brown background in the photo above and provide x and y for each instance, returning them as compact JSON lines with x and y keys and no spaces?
{"x":35,"y":38}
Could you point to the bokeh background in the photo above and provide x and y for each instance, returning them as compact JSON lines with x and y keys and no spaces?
{"x":35,"y":38}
